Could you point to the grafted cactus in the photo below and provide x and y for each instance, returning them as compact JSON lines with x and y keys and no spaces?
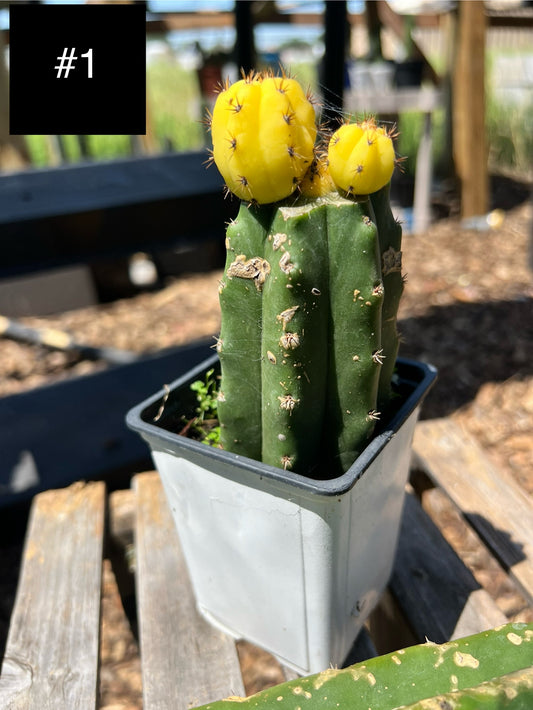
{"x":302,"y":294}
{"x":487,"y":671}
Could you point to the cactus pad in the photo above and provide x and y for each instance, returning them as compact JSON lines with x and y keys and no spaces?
{"x":489,"y":670}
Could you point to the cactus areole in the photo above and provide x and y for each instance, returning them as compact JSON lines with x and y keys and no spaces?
{"x":303,"y":339}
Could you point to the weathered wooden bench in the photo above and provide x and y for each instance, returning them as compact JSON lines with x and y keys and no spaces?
{"x":52,"y":651}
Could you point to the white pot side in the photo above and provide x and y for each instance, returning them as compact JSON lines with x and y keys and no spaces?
{"x":292,"y":564}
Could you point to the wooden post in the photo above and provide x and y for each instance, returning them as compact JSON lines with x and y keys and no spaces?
{"x":245,"y":45}
{"x":373,"y":24}
{"x":423,"y":178}
{"x":469,"y":140}
{"x":335,"y":27}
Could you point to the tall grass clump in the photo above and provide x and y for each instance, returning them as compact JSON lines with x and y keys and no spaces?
{"x":510,"y":137}
{"x":175,"y":105}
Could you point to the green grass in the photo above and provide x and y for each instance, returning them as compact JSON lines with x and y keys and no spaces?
{"x":175,"y":102}
{"x":510,"y":137}
{"x":100,"y":148}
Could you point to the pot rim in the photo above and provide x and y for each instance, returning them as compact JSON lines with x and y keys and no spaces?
{"x":419,"y":375}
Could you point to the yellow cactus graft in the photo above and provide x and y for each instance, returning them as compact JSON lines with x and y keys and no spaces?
{"x":263,"y":130}
{"x":361,"y":157}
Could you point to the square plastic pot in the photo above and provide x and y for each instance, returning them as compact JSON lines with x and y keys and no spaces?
{"x":292,"y":564}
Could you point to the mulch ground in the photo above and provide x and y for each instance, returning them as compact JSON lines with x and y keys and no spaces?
{"x":467,"y":309}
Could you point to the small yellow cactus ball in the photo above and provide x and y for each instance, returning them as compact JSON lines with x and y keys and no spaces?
{"x":361,"y":158}
{"x":263,"y":130}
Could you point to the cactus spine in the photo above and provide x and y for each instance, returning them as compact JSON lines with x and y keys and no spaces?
{"x":486,"y":671}
{"x":301,"y":300}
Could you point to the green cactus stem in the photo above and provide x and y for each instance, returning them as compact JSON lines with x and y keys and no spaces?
{"x":356,"y":296}
{"x":390,"y":244}
{"x":239,"y":343}
{"x":487,"y":671}
{"x":295,"y":335}
{"x":306,"y":302}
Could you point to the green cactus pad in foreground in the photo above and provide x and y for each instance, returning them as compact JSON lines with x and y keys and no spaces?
{"x":488,"y":671}
{"x":513,"y":691}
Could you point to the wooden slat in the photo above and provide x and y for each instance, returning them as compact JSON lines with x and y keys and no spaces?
{"x":185,"y":662}
{"x":424,"y":100}
{"x":436,"y":592}
{"x":89,"y":187}
{"x":51,"y":659}
{"x":490,"y":500}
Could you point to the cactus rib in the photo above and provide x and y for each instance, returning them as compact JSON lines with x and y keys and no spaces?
{"x":295,"y":318}
{"x":390,"y":245}
{"x":239,"y":343}
{"x":356,"y":296}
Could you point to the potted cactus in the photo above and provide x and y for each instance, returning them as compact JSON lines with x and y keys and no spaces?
{"x":289,"y":526}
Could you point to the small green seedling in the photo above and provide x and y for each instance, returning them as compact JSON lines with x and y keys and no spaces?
{"x":205,"y":425}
